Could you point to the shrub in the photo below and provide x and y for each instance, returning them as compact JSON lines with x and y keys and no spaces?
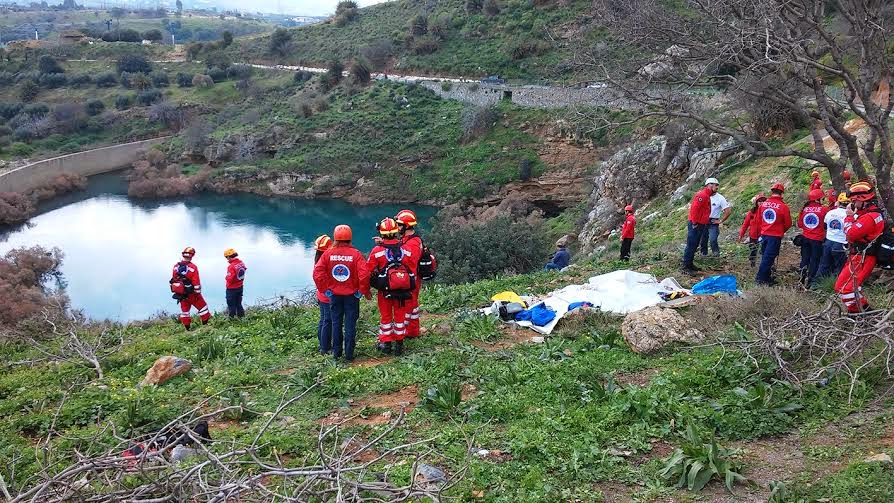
{"x":512,"y":247}
{"x":69,"y":117}
{"x":476,"y":121}
{"x":378,"y":53}
{"x":152,"y":35}
{"x":334,"y":72}
{"x":446,"y":86}
{"x":9,"y":109}
{"x":217,"y":59}
{"x":148,"y":181}
{"x":474,"y":6}
{"x":107,"y":79}
{"x":184,"y":79}
{"x":202,"y":81}
{"x":7,"y":78}
{"x":526,"y":48}
{"x":419,"y":26}
{"x":80,"y":80}
{"x":5,"y":131}
{"x":148,"y":97}
{"x":345,"y":12}
{"x":28,"y":91}
{"x":62,"y":184}
{"x":166,"y":113}
{"x":15,"y":208}
{"x":426,"y":45}
{"x":226,"y":39}
{"x":134,"y":63}
{"x":280,"y":40}
{"x":322,"y":105}
{"x":160,"y":79}
{"x":122,"y":35}
{"x":52,"y":80}
{"x":360,"y":72}
{"x":138,"y":81}
{"x":307,"y":111}
{"x":217,"y":74}
{"x":48,"y":64}
{"x":491,"y":7}
{"x":238,"y":72}
{"x":439,"y":25}
{"x":23,"y":274}
{"x":123,"y":101}
{"x":20,"y":149}
{"x":525,"y":169}
{"x":302,"y":76}
{"x":94,"y":107}
{"x":193,"y":50}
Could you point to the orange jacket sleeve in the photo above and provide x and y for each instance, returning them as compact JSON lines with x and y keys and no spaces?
{"x":320,"y":273}
{"x":363,"y":274}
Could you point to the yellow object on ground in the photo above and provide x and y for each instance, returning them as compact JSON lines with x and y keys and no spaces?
{"x":508,"y":297}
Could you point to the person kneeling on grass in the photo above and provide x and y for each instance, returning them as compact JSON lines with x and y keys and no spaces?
{"x":560,"y":259}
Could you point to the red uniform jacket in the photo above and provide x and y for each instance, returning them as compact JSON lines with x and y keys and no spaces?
{"x":775,"y":217}
{"x":342,"y":269}
{"x":816,"y":184}
{"x":628,"y":229}
{"x":833,"y":198}
{"x":235,"y":274}
{"x":378,"y":257}
{"x":865,"y":226}
{"x":413,"y":246}
{"x":751,"y":225}
{"x":192,"y":273}
{"x":700,"y":208}
{"x":812,"y":221}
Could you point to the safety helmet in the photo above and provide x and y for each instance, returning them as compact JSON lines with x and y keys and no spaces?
{"x":862,"y":191}
{"x":711,"y":180}
{"x":757,"y":198}
{"x":406,"y":217}
{"x":778,"y":186}
{"x":230,"y":253}
{"x":189,"y":251}
{"x":815,"y":174}
{"x":846,"y":175}
{"x":815,"y":195}
{"x":322,"y":243}
{"x":388,"y":227}
{"x":629,"y":207}
{"x":342,"y":233}
{"x":842,"y":198}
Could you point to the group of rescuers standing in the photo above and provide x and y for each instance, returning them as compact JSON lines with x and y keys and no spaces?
{"x":395,"y":267}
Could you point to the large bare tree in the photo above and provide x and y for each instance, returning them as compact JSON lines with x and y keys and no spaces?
{"x":823,"y":64}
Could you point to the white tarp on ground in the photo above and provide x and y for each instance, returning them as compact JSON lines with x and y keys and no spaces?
{"x":619,"y":292}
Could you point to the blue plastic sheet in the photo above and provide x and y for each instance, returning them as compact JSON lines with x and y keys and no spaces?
{"x":539,"y":315}
{"x":716,"y":284}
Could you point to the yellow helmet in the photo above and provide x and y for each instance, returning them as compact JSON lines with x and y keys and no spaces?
{"x":230,"y":253}
{"x":842,"y":198}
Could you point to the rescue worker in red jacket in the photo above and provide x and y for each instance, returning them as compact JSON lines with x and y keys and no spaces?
{"x":187,"y":272}
{"x":811,"y":220}
{"x":628,"y":231}
{"x":752,"y":227}
{"x":235,"y":281}
{"x":699,"y":218}
{"x":412,"y":242}
{"x":342,"y":275}
{"x":392,"y":305}
{"x":863,"y":224}
{"x":816,"y":183}
{"x":832,"y":197}
{"x":324,"y":327}
{"x":775,"y":218}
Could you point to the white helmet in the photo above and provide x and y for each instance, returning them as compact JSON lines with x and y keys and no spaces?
{"x":711,"y":180}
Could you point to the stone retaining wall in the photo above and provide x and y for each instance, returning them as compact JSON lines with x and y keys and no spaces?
{"x":90,"y":162}
{"x":527,"y":96}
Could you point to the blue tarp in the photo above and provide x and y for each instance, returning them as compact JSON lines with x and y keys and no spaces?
{"x":539,"y":315}
{"x":716,"y":284}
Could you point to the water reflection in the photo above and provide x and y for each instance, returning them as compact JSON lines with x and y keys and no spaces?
{"x":119,"y":252}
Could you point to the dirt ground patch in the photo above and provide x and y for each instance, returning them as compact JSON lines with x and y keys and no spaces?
{"x":511,"y":337}
{"x":641,"y":378}
{"x":372,"y":361}
{"x":369,"y":411}
{"x":223,"y":424}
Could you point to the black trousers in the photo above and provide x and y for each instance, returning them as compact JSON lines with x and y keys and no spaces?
{"x":234,"y":302}
{"x":626,"y":243}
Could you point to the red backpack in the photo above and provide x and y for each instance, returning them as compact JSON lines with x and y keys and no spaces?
{"x":396,"y":280}
{"x":181,"y":286}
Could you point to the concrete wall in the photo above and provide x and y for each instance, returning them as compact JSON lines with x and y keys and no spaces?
{"x":527,"y":96}
{"x":90,"y":162}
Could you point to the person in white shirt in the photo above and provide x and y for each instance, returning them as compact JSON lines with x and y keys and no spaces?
{"x":720,"y":211}
{"x":834,"y":252}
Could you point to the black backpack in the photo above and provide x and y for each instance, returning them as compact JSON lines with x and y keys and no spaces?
{"x":884,"y":249}
{"x":428,"y":263}
{"x":395,"y":281}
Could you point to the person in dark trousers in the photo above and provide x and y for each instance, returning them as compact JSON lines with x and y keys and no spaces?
{"x":835,"y":246}
{"x":628,"y":231}
{"x":235,"y":282}
{"x":699,"y":218}
{"x":811,"y":220}
{"x":324,"y":327}
{"x":752,"y":227}
{"x":342,"y":275}
{"x":560,"y":259}
{"x":775,"y":218}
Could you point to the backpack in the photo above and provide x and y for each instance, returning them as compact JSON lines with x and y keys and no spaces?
{"x":428,"y":263}
{"x":884,"y":250}
{"x":181,"y":286}
{"x":395,"y":281}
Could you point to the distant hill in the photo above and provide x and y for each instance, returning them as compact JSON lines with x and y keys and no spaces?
{"x":513,"y":38}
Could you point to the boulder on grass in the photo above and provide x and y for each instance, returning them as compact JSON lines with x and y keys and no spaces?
{"x":165,"y":368}
{"x":650,"y":329}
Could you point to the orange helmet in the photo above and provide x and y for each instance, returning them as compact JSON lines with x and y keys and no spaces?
{"x":342,"y":233}
{"x":322,"y":243}
{"x":229,"y":253}
{"x":778,"y":186}
{"x":388,"y":227}
{"x":189,"y":251}
{"x":406,"y":217}
{"x":629,"y":207}
{"x":815,"y":195}
{"x":815,"y":174}
{"x":862,"y":191}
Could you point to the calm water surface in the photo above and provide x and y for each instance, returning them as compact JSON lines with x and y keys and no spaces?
{"x":119,"y":251}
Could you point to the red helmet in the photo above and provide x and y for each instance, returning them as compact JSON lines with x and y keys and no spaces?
{"x":629,"y":207}
{"x":758,"y":198}
{"x":778,"y":186}
{"x":322,"y":243}
{"x":406,"y":217}
{"x":862,"y":191}
{"x":815,"y":195}
{"x":846,"y":175}
{"x":342,"y":233}
{"x":189,"y":251}
{"x":388,"y":227}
